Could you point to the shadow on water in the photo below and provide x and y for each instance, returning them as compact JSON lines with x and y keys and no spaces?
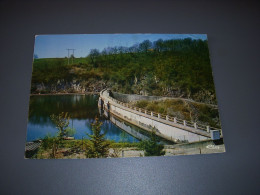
{"x":78,"y":106}
{"x":129,"y":129}
{"x":83,"y":109}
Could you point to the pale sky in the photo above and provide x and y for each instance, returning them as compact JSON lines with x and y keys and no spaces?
{"x":52,"y":46}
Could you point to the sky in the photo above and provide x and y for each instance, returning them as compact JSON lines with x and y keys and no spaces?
{"x":55,"y":46}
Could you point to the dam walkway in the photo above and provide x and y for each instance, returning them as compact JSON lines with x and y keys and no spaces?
{"x":168,"y":127}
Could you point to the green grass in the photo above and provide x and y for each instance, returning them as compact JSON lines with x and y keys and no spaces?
{"x":113,"y":144}
{"x":190,"y":111}
{"x":177,"y":68}
{"x":124,"y":145}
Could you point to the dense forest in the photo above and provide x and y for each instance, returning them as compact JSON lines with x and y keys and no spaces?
{"x":174,"y":68}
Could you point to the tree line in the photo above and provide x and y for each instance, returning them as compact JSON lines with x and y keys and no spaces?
{"x":177,"y":67}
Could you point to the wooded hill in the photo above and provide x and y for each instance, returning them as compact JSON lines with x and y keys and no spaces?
{"x":176,"y":68}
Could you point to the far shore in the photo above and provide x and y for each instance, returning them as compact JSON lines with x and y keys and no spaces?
{"x":97,"y":93}
{"x":85,"y":93}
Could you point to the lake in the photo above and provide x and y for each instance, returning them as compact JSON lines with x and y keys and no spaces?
{"x":83,"y":110}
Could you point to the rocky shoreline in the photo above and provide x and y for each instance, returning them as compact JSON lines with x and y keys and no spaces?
{"x":85,"y":93}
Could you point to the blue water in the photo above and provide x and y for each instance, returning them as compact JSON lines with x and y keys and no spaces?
{"x":83,"y":110}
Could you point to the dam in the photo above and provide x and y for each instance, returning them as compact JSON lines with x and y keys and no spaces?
{"x":167,"y":127}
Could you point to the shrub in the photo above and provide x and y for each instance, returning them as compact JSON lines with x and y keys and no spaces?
{"x":151,"y":147}
{"x":97,"y":147}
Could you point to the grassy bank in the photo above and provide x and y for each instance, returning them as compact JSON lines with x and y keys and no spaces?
{"x":72,"y":149}
{"x":77,"y":149}
{"x":186,"y":110}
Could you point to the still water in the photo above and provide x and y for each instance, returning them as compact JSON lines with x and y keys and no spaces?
{"x":83,"y":109}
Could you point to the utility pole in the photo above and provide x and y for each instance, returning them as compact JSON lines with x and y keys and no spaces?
{"x":73,"y":54}
{"x":69,"y":55}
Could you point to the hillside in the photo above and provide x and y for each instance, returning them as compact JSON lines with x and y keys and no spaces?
{"x":174,"y":68}
{"x":201,"y":113}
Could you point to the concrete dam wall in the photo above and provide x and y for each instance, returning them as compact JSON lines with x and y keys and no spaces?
{"x":167,"y":127}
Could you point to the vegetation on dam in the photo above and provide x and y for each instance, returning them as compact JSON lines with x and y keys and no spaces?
{"x":164,"y":74}
{"x":174,"y":68}
{"x":186,"y":110}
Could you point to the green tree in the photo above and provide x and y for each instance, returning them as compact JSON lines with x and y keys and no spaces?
{"x":50,"y":142}
{"x":70,"y":132}
{"x":151,"y":147}
{"x":123,"y":136}
{"x":94,"y":54}
{"x":179,"y":68}
{"x":97,"y":146}
{"x":145,"y":45}
{"x":62,"y":122}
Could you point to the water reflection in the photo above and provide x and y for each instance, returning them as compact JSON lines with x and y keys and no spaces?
{"x":83,"y":110}
{"x":130,"y":129}
{"x":78,"y":106}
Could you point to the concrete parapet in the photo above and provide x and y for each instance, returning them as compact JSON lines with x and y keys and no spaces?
{"x":195,"y":125}
{"x":166,"y":126}
{"x":208,"y":129}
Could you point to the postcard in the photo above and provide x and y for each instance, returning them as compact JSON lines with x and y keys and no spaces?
{"x":122,"y":95}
